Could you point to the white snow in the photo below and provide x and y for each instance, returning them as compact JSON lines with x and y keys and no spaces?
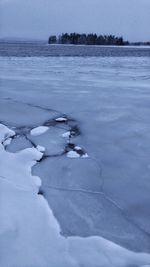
{"x":85,"y":155}
{"x":29,"y":233}
{"x":7,"y":142}
{"x":61,"y":119}
{"x":73,"y":154}
{"x":39,"y":130}
{"x":78,"y":148}
{"x":66,"y":135}
{"x":40,"y":148}
{"x":5,"y":133}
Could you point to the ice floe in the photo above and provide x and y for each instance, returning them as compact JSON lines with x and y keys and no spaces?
{"x":85,"y":155}
{"x":39,"y":130}
{"x":78,"y":148}
{"x":61,"y":119}
{"x":52,"y":140}
{"x":73,"y":154}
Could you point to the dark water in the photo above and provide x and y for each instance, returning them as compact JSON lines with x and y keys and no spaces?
{"x":41,"y":49}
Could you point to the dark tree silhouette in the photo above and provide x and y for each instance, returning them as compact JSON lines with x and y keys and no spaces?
{"x":52,"y":39}
{"x":87,"y":39}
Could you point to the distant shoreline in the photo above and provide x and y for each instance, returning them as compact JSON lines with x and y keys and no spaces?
{"x":43,"y":49}
{"x":131,"y":44}
{"x":117,"y":46}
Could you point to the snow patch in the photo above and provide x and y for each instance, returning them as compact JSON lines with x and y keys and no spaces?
{"x":5,"y":133}
{"x":41,"y":148}
{"x":85,"y":155}
{"x":61,"y":119}
{"x":39,"y":130}
{"x":7,"y":142}
{"x":66,"y":135}
{"x":73,"y":154}
{"x":78,"y":148}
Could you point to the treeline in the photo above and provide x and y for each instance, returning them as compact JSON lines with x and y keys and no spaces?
{"x":86,"y":39}
{"x":140,"y":43}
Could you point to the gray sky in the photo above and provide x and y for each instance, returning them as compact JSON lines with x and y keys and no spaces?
{"x":38,"y":19}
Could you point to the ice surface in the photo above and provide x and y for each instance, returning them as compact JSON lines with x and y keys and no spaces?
{"x":70,"y":173}
{"x":42,"y":49}
{"x":52,"y":140}
{"x":108,"y":100}
{"x":18,"y":143}
{"x":22,"y":114}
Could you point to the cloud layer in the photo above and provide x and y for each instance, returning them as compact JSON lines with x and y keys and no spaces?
{"x":40,"y":18}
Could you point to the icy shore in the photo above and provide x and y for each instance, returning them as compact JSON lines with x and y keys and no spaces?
{"x":29,"y":233}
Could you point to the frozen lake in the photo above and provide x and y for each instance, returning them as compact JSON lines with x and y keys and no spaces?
{"x":104,"y":102}
{"x":42,"y":49}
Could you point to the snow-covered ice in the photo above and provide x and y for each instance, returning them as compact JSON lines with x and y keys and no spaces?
{"x":73,"y":154}
{"x":61,"y":119}
{"x":7,"y":142}
{"x":77,"y":147}
{"x":29,"y":233}
{"x":85,"y":156}
{"x":82,"y":202}
{"x":51,"y":139}
{"x":66,"y":134}
{"x":39,"y":130}
{"x":5,"y":133}
{"x":40,"y":148}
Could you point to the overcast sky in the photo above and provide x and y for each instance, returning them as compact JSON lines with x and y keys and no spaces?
{"x":38,"y":19}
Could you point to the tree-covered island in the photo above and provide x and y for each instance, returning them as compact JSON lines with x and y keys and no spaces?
{"x":91,"y":39}
{"x":86,"y":39}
